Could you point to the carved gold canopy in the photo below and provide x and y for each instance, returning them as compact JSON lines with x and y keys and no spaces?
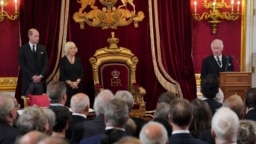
{"x":109,"y":16}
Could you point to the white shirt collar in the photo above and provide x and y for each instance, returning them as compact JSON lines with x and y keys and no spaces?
{"x":78,"y":114}
{"x":180,"y":131}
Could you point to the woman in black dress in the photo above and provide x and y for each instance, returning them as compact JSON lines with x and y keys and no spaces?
{"x":71,"y":70}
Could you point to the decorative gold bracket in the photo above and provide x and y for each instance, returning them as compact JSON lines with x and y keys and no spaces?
{"x":215,"y":14}
{"x":109,"y":16}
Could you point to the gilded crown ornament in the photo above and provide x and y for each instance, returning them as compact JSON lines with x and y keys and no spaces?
{"x":109,"y":16}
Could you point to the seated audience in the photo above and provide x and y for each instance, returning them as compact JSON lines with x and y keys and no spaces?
{"x":202,"y":117}
{"x":32,"y":118}
{"x":135,"y":123}
{"x":97,"y":125}
{"x":161,"y":116}
{"x":56,"y":90}
{"x":8,"y":114}
{"x":209,"y":89}
{"x":153,"y":133}
{"x":247,"y":132}
{"x":180,"y":117}
{"x":80,"y":105}
{"x":31,"y":137}
{"x":116,"y":115}
{"x":250,"y":102}
{"x":128,"y":140}
{"x":50,"y":115}
{"x":225,"y":126}
{"x":62,"y":121}
{"x":236,"y":104}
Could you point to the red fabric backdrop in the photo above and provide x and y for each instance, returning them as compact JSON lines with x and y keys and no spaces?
{"x":175,"y":32}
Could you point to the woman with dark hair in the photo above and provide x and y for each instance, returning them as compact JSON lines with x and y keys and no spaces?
{"x":202,"y":116}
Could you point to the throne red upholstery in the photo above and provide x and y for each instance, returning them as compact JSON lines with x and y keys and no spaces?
{"x":114,"y":68}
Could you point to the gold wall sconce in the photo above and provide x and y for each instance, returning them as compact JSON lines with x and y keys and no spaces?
{"x":109,"y":16}
{"x":4,"y":14}
{"x":217,"y":11}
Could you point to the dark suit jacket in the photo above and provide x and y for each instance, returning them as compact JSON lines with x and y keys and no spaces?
{"x":210,"y":66}
{"x":213,"y":104}
{"x":251,"y":115}
{"x":75,"y":119}
{"x":88,"y":128}
{"x":30,"y":66}
{"x":184,"y":138}
{"x":8,"y":133}
{"x":207,"y":136}
{"x":96,"y":139}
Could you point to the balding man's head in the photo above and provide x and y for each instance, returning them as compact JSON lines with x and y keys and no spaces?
{"x":80,"y":103}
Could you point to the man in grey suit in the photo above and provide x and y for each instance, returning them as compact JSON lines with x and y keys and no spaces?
{"x":33,"y":61}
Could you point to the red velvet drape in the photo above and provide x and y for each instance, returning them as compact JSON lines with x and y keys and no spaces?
{"x":44,"y":16}
{"x":176,"y":40}
{"x":175,"y":32}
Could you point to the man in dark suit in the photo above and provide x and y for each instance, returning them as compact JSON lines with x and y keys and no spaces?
{"x":97,"y":125}
{"x":180,"y":117}
{"x":80,"y":105}
{"x":8,"y":115}
{"x":250,"y":102}
{"x":216,"y":62}
{"x":33,"y":61}
{"x":115,"y":116}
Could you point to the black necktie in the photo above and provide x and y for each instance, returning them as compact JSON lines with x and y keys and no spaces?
{"x":218,"y":61}
{"x":34,"y":49}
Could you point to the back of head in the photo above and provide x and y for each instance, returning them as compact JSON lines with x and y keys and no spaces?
{"x":247,"y":132}
{"x":236,"y":104}
{"x":32,"y":118}
{"x":202,"y":117}
{"x":62,"y":118}
{"x":153,"y":133}
{"x":31,"y":137}
{"x":180,"y":112}
{"x":162,"y":110}
{"x":128,"y":140}
{"x":167,"y":97}
{"x":50,"y":115}
{"x":225,"y":125}
{"x":53,"y":140}
{"x":210,"y":86}
{"x":101,"y":100}
{"x":80,"y":103}
{"x":6,"y":106}
{"x":56,"y":91}
{"x":251,"y":98}
{"x":116,"y":113}
{"x":126,"y":96}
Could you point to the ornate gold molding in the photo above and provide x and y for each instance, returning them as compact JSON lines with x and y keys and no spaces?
{"x":8,"y":84}
{"x":109,"y":16}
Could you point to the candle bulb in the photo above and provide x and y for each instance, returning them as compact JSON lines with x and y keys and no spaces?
{"x":213,"y":6}
{"x":238,"y":6}
{"x":15,"y":2}
{"x":195,"y":5}
{"x":232,"y":5}
{"x":2,"y":5}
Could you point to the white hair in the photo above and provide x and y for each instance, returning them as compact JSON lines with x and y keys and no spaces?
{"x":67,"y":46}
{"x":125,"y":96}
{"x":101,"y":100}
{"x":225,"y":124}
{"x":79,"y":102}
{"x":217,"y":42}
{"x":153,"y":133}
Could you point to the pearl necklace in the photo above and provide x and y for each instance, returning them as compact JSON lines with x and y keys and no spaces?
{"x":71,"y":60}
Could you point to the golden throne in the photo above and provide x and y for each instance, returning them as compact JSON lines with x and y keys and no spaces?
{"x":114,"y":68}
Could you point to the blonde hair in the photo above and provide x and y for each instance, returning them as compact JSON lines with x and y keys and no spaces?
{"x":67,"y":46}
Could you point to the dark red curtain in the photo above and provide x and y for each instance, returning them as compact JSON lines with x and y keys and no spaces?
{"x":44,"y":16}
{"x":175,"y":33}
{"x":176,"y":40}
